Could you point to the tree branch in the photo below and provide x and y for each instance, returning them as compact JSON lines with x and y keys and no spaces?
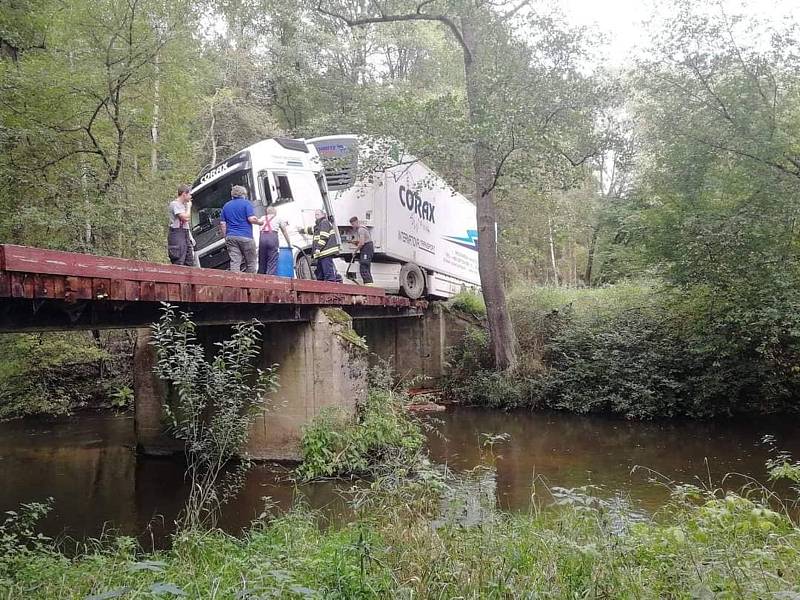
{"x":499,"y":169}
{"x":418,"y":15}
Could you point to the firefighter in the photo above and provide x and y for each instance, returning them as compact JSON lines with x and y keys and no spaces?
{"x":325,"y":247}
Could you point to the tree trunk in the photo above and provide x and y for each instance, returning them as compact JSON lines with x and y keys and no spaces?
{"x":501,"y":329}
{"x":156,"y":110}
{"x":213,"y":134}
{"x":590,"y":257}
{"x":552,"y":250}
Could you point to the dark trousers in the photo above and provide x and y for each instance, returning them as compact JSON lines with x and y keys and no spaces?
{"x":365,"y":262}
{"x":325,"y":270}
{"x":179,"y":247}
{"x":268,"y":253}
{"x":243,"y":254}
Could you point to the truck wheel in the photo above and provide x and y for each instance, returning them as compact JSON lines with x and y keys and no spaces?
{"x":302,"y":266}
{"x":412,"y":281}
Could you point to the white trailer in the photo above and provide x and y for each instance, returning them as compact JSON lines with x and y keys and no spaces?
{"x":280,"y":172}
{"x":424,"y":232}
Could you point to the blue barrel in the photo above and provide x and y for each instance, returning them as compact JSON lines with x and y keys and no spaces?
{"x":285,"y":263}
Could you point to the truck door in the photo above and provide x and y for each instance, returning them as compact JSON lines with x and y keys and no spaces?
{"x":326,"y":203}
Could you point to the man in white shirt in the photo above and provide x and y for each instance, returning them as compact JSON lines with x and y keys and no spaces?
{"x":180,"y":245}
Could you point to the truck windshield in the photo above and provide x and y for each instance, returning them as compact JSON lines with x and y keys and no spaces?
{"x":207,"y":203}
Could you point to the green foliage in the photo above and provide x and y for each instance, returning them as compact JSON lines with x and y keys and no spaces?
{"x":468,"y":302}
{"x":639,"y":350}
{"x":382,"y":437}
{"x":48,"y":374}
{"x":122,"y":397}
{"x":18,"y":530}
{"x":214,"y":403}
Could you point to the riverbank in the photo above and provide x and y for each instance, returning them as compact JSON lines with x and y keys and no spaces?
{"x":406,"y":543}
{"x":640,"y":349}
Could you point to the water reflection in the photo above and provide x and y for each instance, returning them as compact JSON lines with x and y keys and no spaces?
{"x":570,"y":451}
{"x":89,"y":466}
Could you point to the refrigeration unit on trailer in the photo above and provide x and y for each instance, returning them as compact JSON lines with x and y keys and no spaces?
{"x":424,"y":232}
{"x":280,"y":172}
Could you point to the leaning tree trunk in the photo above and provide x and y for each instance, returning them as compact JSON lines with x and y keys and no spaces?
{"x":501,"y":329}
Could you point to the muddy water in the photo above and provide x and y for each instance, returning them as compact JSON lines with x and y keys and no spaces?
{"x":89,"y":466}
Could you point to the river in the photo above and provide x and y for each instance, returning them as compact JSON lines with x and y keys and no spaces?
{"x":87,"y":463}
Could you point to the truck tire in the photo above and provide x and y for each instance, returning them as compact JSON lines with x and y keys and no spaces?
{"x":302,"y":266}
{"x":412,"y":281}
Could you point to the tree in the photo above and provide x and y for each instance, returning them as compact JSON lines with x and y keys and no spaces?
{"x":517,"y":95}
{"x":78,"y":116}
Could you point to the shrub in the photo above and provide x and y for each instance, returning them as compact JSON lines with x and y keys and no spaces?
{"x":468,"y":301}
{"x":638,"y":350}
{"x":382,"y":437}
{"x":214,"y":404}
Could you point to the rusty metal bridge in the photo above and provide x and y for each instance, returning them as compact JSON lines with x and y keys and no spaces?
{"x":44,"y":290}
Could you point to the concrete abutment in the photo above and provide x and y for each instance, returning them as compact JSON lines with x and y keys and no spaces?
{"x":417,"y":347}
{"x":321,"y":363}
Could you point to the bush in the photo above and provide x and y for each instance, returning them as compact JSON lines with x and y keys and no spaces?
{"x":382,"y":437}
{"x":214,"y":402}
{"x":468,"y":301}
{"x":640,"y":351}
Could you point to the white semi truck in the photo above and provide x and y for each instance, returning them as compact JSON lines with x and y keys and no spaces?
{"x":424,"y":232}
{"x":284,"y":173}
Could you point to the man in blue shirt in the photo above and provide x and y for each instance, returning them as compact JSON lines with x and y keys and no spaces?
{"x":236,"y":224}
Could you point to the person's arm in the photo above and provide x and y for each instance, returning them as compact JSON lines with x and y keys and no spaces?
{"x":223,"y":225}
{"x":285,"y":232}
{"x":186,"y":215}
{"x":251,"y":215}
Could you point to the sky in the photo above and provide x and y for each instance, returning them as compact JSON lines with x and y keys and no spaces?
{"x":621,"y":21}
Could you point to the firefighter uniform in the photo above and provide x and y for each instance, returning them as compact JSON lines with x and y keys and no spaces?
{"x":325,"y":248}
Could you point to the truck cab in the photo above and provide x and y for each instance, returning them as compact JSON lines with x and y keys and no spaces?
{"x":280,"y":172}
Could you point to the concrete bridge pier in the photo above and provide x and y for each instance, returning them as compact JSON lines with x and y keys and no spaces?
{"x":321,"y":363}
{"x":417,"y":347}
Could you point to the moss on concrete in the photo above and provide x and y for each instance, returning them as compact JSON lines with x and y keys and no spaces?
{"x":338,"y":316}
{"x":345,"y":330}
{"x":349,"y":335}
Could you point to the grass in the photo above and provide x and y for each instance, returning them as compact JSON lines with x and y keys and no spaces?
{"x":469,"y":302}
{"x":702,"y":545}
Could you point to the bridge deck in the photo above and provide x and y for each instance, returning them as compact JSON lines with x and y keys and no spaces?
{"x":49,"y":289}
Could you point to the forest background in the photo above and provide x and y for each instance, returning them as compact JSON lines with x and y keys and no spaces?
{"x":647,"y":213}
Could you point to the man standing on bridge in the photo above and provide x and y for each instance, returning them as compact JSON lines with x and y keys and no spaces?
{"x":364,"y":248}
{"x":180,"y":245}
{"x":236,"y":225}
